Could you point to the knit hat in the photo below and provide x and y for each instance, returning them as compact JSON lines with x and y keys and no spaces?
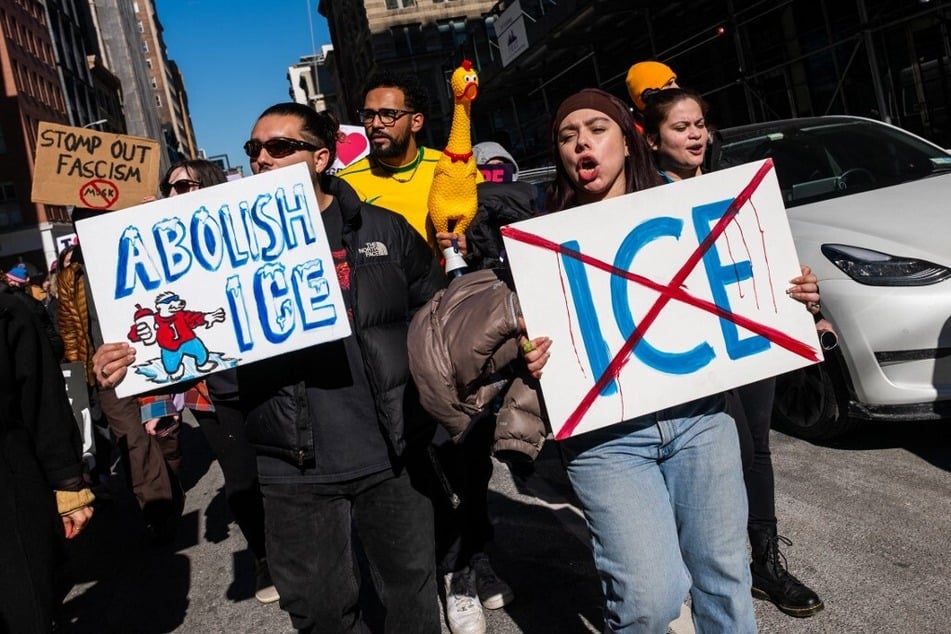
{"x":596,"y":99}
{"x":646,"y":75}
{"x":488,"y":150}
{"x":18,"y":275}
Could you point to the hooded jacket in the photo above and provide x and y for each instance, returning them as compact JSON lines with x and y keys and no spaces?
{"x":392,"y":274}
{"x":463,"y":353}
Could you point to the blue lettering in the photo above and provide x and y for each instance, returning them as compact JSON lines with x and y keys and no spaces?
{"x":236,"y":241}
{"x":720,"y":276}
{"x":275,"y":311}
{"x":299,"y":214}
{"x":239,"y":312}
{"x":598,"y":354}
{"x":134,"y":262}
{"x":669,"y":362}
{"x":312,"y":288}
{"x":270,"y":225}
{"x":169,"y":235}
{"x":206,"y":240}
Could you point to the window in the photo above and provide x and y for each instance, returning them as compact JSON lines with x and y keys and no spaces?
{"x":145,"y":46}
{"x":397,"y":4}
{"x":158,"y":101}
{"x":154,"y":83}
{"x":148,"y":62}
{"x":135,"y":7}
{"x":141,"y":27}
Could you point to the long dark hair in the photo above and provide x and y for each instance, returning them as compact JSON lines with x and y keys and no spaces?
{"x":639,"y":169}
{"x":319,"y":128}
{"x":205,"y":172}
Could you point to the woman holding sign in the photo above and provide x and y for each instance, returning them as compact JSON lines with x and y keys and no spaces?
{"x":662,"y":493}
{"x":676,"y":130}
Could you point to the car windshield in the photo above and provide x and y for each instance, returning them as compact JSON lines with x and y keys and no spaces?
{"x":820,"y":160}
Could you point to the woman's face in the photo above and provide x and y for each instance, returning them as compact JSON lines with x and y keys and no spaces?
{"x":681,"y":141}
{"x":592,"y":151}
{"x":181,"y":181}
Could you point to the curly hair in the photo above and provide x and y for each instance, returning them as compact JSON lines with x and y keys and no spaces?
{"x":414,"y":95}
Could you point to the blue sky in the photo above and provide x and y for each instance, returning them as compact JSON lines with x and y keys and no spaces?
{"x":234,"y":57}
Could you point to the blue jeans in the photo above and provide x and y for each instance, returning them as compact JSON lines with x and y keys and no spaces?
{"x":311,"y":558}
{"x":664,"y":499}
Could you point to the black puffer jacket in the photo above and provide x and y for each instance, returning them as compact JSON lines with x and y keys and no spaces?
{"x":392,"y":274}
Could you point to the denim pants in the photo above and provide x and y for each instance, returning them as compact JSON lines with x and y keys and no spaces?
{"x":664,"y":499}
{"x":311,"y":556}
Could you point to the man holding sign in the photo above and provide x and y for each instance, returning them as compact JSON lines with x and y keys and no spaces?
{"x":335,"y":429}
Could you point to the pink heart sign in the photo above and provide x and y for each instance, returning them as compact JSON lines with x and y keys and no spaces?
{"x":353,"y":146}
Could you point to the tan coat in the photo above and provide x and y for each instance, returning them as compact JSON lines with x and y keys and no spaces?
{"x":73,"y":317}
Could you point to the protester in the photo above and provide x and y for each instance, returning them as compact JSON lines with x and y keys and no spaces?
{"x":397,"y":175}
{"x":40,"y":474}
{"x":215,"y":405}
{"x":675,"y":124}
{"x":152,"y":463}
{"x":16,"y":282}
{"x":662,"y":493}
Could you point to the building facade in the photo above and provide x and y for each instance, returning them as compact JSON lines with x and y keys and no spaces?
{"x":312,"y":82}
{"x":754,"y":60}
{"x":168,"y":86}
{"x":32,"y":93}
{"x":424,"y":38}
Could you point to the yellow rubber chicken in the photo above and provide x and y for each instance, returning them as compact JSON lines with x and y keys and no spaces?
{"x":452,"y":196}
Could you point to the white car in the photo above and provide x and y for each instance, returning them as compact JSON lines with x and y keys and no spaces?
{"x":869,"y":206}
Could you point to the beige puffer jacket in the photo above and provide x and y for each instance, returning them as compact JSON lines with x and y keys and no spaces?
{"x":463,"y":353}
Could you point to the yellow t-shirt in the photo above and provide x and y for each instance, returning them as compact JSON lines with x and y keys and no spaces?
{"x":404,"y":190}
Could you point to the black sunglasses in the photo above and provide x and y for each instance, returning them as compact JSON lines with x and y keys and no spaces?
{"x":182,"y":186}
{"x":388,"y":116}
{"x":278,"y":147}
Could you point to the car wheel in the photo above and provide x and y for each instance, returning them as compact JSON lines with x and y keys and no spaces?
{"x":812,"y":403}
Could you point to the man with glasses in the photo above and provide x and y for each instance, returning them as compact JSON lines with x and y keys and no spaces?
{"x":398,"y":171}
{"x":337,"y":438}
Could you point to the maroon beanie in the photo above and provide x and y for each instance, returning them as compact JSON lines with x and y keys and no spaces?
{"x":596,"y":99}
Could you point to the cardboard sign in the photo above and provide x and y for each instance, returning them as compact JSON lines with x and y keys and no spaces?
{"x":352,"y":145}
{"x":88,"y":168}
{"x":661,"y":297}
{"x":215,"y":278}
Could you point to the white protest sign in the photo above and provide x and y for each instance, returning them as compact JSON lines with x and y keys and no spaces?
{"x":352,"y":145}
{"x":660,"y":297}
{"x":215,"y":278}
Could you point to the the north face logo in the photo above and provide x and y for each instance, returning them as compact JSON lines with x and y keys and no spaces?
{"x":373,"y":250}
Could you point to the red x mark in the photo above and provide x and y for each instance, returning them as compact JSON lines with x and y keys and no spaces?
{"x":672,"y":290}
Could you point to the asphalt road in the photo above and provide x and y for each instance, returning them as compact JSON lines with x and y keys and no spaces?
{"x":869,"y":518}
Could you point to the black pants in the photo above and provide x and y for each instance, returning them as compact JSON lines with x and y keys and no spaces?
{"x":311,"y":554}
{"x":31,"y":546}
{"x":152,"y":463}
{"x":464,"y":531}
{"x":224,"y":430}
{"x":752,"y":407}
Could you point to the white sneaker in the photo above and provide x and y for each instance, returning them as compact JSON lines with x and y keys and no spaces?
{"x":463,"y":611}
{"x":493,"y":592}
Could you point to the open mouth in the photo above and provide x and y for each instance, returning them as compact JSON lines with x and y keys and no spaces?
{"x":587,"y":169}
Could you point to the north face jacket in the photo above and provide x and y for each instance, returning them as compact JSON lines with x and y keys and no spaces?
{"x":392,"y":274}
{"x":463,"y":353}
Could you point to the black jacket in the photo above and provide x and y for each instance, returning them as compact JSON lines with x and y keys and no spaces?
{"x":392,"y":274}
{"x":499,"y":204}
{"x":39,"y":440}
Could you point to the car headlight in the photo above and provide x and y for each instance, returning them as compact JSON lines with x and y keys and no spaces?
{"x":881,"y":269}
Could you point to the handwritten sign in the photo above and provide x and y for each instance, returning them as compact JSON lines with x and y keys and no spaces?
{"x":88,"y":168}
{"x":215,"y":278}
{"x":660,"y":297}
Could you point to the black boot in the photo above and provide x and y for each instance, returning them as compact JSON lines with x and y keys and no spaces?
{"x":771,"y":580}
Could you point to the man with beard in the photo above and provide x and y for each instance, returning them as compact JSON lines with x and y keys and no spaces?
{"x":398,"y":172}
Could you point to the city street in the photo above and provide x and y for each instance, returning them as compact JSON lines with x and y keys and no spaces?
{"x":868,"y":518}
